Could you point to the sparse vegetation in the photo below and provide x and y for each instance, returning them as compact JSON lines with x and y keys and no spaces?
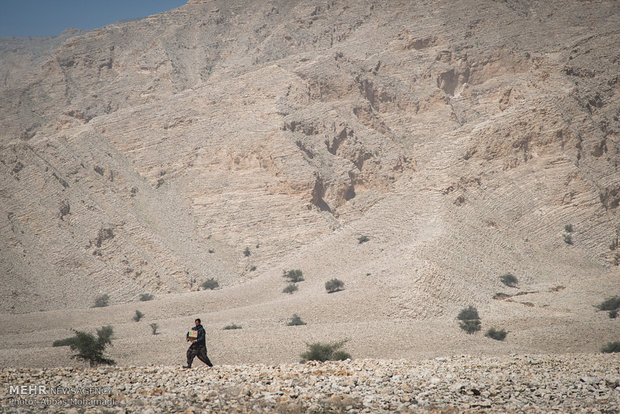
{"x":295,"y":321}
{"x":210,"y":284}
{"x":211,"y":251}
{"x":294,"y":276}
{"x":362,"y":239}
{"x":252,"y":268}
{"x":90,"y":348}
{"x":231,"y":326}
{"x":138,"y":316}
{"x":611,"y":347}
{"x":568,"y":239}
{"x":290,"y":288}
{"x":103,"y":235}
{"x":146,"y":297}
{"x":102,"y":301}
{"x":334,"y":285}
{"x":65,"y":209}
{"x":325,"y":352}
{"x":568,"y":228}
{"x":247,"y":252}
{"x":498,"y":335}
{"x":470,"y":320}
{"x":509,"y":280}
{"x":613,"y":314}
{"x":610,"y":304}
{"x":154,"y":328}
{"x":98,"y":169}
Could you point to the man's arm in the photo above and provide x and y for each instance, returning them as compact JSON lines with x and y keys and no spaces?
{"x":201,"y":335}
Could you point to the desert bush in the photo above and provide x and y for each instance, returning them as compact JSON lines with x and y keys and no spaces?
{"x":247,"y":252}
{"x":362,"y":239}
{"x":509,"y":280}
{"x":295,"y":321}
{"x":468,"y":313}
{"x":470,"y":326}
{"x":154,"y":328}
{"x":146,"y":297}
{"x":568,"y":228}
{"x":102,"y":301}
{"x":231,"y":326}
{"x":253,"y":268}
{"x":611,"y":347}
{"x":610,"y":304}
{"x":139,"y":315}
{"x":498,"y":335}
{"x":290,"y":288}
{"x":90,"y":348}
{"x":293,"y":276}
{"x":210,"y":284}
{"x":325,"y":352}
{"x":613,"y":314}
{"x":568,"y":239}
{"x":334,"y":285}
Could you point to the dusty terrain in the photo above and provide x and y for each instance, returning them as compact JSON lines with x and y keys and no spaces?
{"x":461,"y":139}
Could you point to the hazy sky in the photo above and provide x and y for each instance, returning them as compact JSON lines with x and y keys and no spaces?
{"x":50,"y":17}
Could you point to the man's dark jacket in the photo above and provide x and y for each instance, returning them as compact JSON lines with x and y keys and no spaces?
{"x":200,"y":340}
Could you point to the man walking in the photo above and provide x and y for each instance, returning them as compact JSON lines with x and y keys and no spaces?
{"x":198,"y":348}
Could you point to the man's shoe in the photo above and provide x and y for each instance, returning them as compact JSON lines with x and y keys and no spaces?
{"x":187,"y":366}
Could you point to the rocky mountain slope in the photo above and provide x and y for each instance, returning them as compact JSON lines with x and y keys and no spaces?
{"x":463,"y":140}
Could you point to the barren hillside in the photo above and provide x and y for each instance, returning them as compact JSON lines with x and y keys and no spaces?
{"x":464,"y":140}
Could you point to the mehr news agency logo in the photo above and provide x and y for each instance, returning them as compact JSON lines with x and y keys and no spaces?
{"x":37,"y":394}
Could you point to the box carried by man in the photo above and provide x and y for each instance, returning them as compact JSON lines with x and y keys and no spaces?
{"x":191,"y":335}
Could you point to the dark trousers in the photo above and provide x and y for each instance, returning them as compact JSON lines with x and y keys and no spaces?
{"x":199,"y":351}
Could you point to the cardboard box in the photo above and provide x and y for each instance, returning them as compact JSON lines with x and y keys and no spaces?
{"x":192,"y":335}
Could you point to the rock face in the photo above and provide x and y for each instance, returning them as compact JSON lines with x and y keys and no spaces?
{"x":568,"y":383}
{"x":459,"y":138}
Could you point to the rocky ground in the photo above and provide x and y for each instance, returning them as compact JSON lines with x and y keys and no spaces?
{"x":510,"y":384}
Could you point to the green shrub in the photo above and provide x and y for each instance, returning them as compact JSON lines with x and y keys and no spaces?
{"x":613,"y":314}
{"x":468,"y":313}
{"x":146,"y":297}
{"x":247,"y":252}
{"x":90,"y":348}
{"x":611,"y":347}
{"x":568,"y":239}
{"x":154,"y":328}
{"x":470,"y":326}
{"x":334,"y":285}
{"x":139,"y":315}
{"x":290,"y":288}
{"x":509,"y":280}
{"x":498,"y":335}
{"x":293,"y":276}
{"x":210,"y":284}
{"x":362,"y":239}
{"x":295,"y":321}
{"x":102,"y":301}
{"x":232,"y":326}
{"x":325,"y":352}
{"x":568,"y":228}
{"x":610,"y":304}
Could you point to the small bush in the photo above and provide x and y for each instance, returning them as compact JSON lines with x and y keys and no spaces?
{"x":470,"y":326}
{"x":290,"y":288}
{"x":468,"y":313}
{"x":139,"y":315}
{"x":610,"y":304}
{"x":90,"y":348}
{"x":293,"y":276}
{"x":498,"y":335}
{"x":295,"y":321}
{"x":102,"y":301}
{"x":253,"y":268}
{"x":334,"y":285}
{"x":64,"y":342}
{"x":247,"y":252}
{"x":210,"y":284}
{"x":613,"y":314}
{"x":146,"y":297}
{"x":232,"y":326}
{"x":325,"y":352}
{"x":611,"y":347}
{"x":509,"y":280}
{"x":568,"y":228}
{"x":568,"y":239}
{"x":362,"y":239}
{"x":154,"y":328}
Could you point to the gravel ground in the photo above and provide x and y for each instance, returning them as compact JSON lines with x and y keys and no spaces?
{"x":517,"y":383}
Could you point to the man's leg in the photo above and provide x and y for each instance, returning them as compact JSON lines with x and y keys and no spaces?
{"x":191,"y":353}
{"x":202,"y":355}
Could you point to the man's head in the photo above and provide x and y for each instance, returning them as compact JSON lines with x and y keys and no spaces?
{"x":197,"y":322}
